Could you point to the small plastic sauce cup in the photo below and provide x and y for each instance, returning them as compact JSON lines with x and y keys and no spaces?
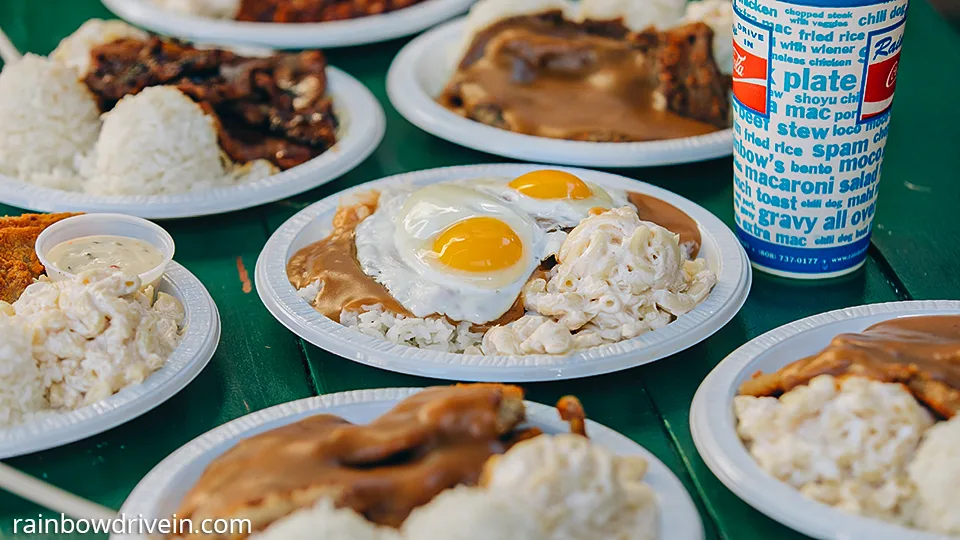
{"x":105,"y":224}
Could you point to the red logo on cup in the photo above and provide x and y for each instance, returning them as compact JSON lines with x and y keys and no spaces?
{"x":878,"y":90}
{"x":880,"y":75}
{"x":750,"y":79}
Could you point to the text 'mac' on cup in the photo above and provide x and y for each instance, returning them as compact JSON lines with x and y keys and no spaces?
{"x":813,"y":86}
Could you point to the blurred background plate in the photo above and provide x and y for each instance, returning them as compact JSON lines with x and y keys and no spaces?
{"x":372,"y":29}
{"x":423,"y":67}
{"x":362,"y":127}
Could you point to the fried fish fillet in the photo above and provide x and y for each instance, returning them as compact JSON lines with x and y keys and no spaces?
{"x":432,"y":441}
{"x":19,"y":265}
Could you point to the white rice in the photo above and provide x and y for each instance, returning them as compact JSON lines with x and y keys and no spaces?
{"x":310,"y":292}
{"x":213,"y":9}
{"x":325,"y":521}
{"x":158,"y":142}
{"x":718,"y":15}
{"x":487,"y":12}
{"x":432,"y":333}
{"x":636,"y":15}
{"x":935,"y":471}
{"x":47,"y":118}
{"x":74,"y":50}
{"x":474,"y":513}
{"x":21,"y":386}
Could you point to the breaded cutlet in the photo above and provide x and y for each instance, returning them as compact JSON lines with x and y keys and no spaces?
{"x":33,"y":220}
{"x":15,"y":277}
{"x":19,"y":265}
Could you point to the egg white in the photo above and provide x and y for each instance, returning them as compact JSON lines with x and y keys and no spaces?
{"x":392,"y":246}
{"x":553,"y":214}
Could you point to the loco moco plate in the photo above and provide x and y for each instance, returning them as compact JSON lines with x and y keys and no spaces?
{"x":159,"y":493}
{"x":201,"y":335}
{"x":714,"y":425}
{"x":362,"y":127}
{"x":372,"y":29}
{"x":419,"y":73}
{"x":719,"y":247}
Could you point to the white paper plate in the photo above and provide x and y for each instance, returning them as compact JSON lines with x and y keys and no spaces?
{"x":159,"y":493}
{"x":423,"y":67}
{"x":713,"y":423}
{"x":373,"y":29}
{"x":363,"y":126}
{"x":720,"y":248}
{"x":200,"y":340}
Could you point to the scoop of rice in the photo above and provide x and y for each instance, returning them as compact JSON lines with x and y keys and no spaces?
{"x":473,"y":514}
{"x":74,"y":50}
{"x":214,"y":9}
{"x":487,"y":12}
{"x":21,"y":388}
{"x":323,"y":521}
{"x":47,"y":118}
{"x":935,"y":471}
{"x":636,"y":15}
{"x":157,"y":142}
{"x":579,"y":490}
{"x":718,"y":15}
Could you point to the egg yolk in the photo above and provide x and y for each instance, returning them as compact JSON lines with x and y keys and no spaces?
{"x":550,"y":184}
{"x":479,"y":244}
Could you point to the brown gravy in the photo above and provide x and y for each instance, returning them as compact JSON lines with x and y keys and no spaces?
{"x":432,"y":441}
{"x":669,"y":217}
{"x":333,"y":260}
{"x":921,"y":352}
{"x":568,"y":83}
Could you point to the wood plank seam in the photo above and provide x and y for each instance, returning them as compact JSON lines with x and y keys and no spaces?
{"x":688,"y":467}
{"x":314,"y":382}
{"x":701,"y":491}
{"x":899,"y":288}
{"x":301,"y":346}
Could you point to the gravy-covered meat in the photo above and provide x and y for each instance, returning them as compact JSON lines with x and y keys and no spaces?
{"x":19,"y":265}
{"x":272,"y":108}
{"x":922,"y":353}
{"x":432,"y":441}
{"x":525,"y":74}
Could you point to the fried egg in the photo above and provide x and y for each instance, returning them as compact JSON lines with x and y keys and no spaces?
{"x":451,"y":250}
{"x":557,"y":199}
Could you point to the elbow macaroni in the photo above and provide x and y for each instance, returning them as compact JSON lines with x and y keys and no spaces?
{"x":96,"y":334}
{"x":618,"y":277}
{"x":843,"y":442}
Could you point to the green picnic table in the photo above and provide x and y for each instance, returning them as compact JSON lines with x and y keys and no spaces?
{"x":915,"y":254}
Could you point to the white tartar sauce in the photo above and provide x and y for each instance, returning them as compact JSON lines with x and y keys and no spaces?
{"x":105,"y":251}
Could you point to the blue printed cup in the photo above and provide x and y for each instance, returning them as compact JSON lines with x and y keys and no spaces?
{"x":813,"y":85}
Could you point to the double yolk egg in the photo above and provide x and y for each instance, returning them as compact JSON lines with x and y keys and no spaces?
{"x":465,"y":248}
